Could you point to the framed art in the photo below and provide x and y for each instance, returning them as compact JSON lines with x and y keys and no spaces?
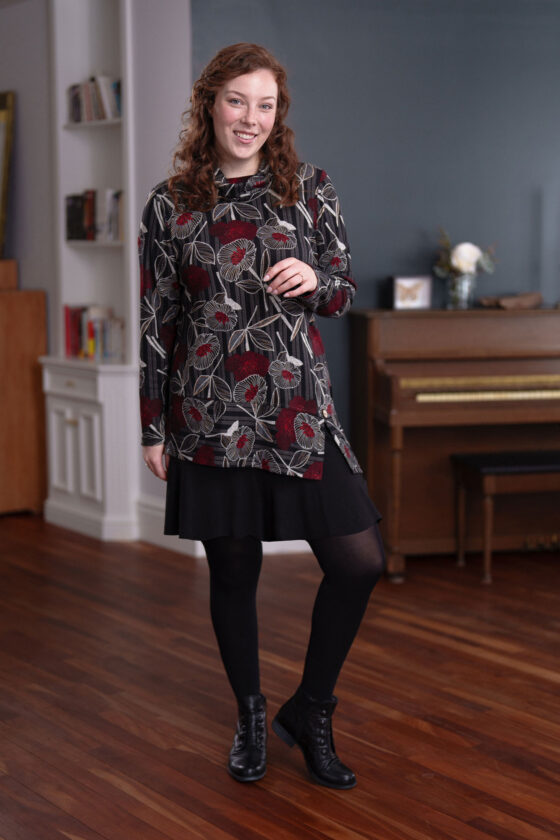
{"x":7,"y":104}
{"x":412,"y":292}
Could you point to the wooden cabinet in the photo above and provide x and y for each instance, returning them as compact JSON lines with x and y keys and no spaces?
{"x":22,"y":442}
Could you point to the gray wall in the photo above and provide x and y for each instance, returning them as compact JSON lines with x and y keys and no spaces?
{"x":425,"y":113}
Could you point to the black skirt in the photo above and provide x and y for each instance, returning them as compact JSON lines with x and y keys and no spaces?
{"x":203,"y":502}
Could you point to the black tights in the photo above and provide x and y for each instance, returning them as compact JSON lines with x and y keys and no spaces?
{"x":351,"y":564}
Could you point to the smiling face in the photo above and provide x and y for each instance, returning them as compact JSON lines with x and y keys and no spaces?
{"x":243,"y":114}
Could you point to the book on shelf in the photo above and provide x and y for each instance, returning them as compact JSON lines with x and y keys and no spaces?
{"x":88,"y":219}
{"x":93,"y":332}
{"x":97,"y":98}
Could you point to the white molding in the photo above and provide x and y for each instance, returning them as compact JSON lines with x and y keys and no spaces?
{"x":151,"y":516}
{"x":91,"y":523}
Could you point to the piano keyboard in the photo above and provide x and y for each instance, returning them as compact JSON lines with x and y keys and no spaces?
{"x":486,"y":396}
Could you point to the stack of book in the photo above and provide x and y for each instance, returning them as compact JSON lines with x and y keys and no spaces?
{"x":99,"y":98}
{"x":86,"y":219}
{"x":93,"y":332}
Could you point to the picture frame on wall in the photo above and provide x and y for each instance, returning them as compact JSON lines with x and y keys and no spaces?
{"x":412,"y":292}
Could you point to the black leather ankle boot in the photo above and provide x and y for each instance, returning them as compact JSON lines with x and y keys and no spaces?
{"x":247,"y":758}
{"x":307,"y":722}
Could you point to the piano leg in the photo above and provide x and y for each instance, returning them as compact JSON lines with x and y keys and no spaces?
{"x":460,"y":523}
{"x":488,"y":526}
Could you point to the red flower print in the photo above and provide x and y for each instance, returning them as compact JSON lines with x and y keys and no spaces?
{"x":244,"y":364}
{"x":316,"y":340}
{"x":219,"y":316}
{"x":228,"y":232}
{"x":204,"y":351}
{"x":314,"y":470}
{"x":277,"y":236}
{"x":250,"y":391}
{"x":196,"y":416}
{"x":150,"y":409}
{"x":204,"y":455}
{"x":183,"y":224}
{"x":285,"y":433}
{"x":285,"y":374}
{"x":264,"y":459}
{"x":308,"y":432}
{"x":333,"y":260}
{"x":195,"y":278}
{"x":241,"y":444}
{"x":236,"y":258}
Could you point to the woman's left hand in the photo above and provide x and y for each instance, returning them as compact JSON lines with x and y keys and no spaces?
{"x":291,"y":278}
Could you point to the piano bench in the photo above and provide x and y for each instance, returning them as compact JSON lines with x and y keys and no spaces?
{"x":494,"y":473}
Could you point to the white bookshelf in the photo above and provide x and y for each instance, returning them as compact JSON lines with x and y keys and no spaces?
{"x":92,"y":406}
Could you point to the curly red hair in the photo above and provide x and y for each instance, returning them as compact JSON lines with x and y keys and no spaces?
{"x":195,"y":159}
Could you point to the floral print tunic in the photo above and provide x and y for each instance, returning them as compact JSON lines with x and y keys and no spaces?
{"x":230,"y":375}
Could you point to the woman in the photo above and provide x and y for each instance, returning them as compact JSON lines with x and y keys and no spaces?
{"x":240,"y":250}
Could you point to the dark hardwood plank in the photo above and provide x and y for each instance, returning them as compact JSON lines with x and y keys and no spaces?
{"x":116,"y":717}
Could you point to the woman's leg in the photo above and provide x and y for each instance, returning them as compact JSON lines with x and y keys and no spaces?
{"x":235,"y":565}
{"x":352,"y":564}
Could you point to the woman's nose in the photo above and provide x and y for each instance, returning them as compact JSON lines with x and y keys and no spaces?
{"x":250,"y":115}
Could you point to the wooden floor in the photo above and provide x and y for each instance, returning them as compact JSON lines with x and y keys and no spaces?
{"x":116,"y":718}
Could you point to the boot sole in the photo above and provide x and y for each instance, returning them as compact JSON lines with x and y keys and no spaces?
{"x":246,"y":778}
{"x":289,"y":739}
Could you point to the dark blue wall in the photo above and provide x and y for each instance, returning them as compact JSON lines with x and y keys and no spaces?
{"x":424,"y":113}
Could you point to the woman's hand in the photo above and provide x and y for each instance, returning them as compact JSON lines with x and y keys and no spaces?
{"x":291,"y":278}
{"x":154,"y":459}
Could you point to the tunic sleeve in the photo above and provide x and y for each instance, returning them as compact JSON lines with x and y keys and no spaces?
{"x":336,"y":288}
{"x":159,"y":310}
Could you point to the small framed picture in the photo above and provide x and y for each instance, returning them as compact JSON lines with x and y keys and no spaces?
{"x":412,"y":292}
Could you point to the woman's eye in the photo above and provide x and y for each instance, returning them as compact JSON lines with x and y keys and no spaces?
{"x":267,"y":106}
{"x":234,"y":101}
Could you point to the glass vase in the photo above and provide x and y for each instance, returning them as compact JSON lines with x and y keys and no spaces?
{"x":460,"y":291}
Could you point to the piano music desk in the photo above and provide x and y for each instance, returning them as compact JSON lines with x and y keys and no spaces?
{"x":497,"y":473}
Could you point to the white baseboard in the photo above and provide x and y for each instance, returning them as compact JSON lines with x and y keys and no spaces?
{"x":151,"y":517}
{"x":93,"y":524}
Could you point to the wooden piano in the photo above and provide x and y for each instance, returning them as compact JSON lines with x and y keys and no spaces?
{"x":427,"y":383}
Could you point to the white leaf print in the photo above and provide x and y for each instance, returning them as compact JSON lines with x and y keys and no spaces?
{"x":266,"y":321}
{"x":219,"y":211}
{"x":231,"y":302}
{"x":261,"y":339}
{"x":201,"y":383}
{"x":299,"y":460}
{"x":218,"y":409}
{"x":204,"y":252}
{"x":306,"y":171}
{"x":294,"y":361}
{"x":222,"y":389}
{"x":248,"y":211}
{"x":235,"y":339}
{"x":262,"y":431}
{"x":297,"y":327}
{"x":233,"y":428}
{"x":249,"y":285}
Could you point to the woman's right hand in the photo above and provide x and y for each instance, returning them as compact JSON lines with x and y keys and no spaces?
{"x":155,"y":461}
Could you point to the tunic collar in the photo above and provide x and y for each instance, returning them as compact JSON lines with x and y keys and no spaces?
{"x":243,"y":189}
